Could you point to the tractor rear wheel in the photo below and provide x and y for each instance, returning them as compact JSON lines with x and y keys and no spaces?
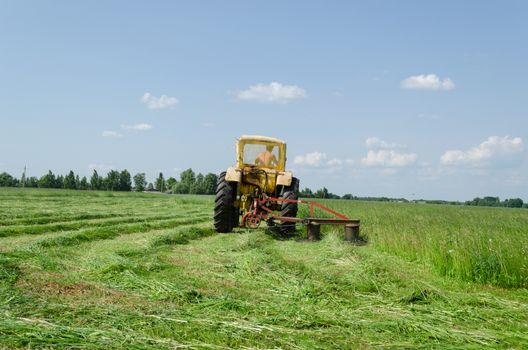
{"x":225,"y":213}
{"x":289,"y":209}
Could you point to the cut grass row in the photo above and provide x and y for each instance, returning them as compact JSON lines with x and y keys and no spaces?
{"x":13,"y":230}
{"x":247,"y":290}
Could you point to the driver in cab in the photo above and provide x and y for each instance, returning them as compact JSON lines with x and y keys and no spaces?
{"x":267,"y":158}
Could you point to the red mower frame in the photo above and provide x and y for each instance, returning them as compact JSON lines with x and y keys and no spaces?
{"x":261,"y":212}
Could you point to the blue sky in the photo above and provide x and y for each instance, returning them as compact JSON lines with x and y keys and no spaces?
{"x":410,"y":98}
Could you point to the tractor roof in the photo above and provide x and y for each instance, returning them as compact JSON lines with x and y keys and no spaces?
{"x":259,"y":138}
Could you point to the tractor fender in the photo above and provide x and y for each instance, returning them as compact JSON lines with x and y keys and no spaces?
{"x":233,"y":175}
{"x":284,"y":178}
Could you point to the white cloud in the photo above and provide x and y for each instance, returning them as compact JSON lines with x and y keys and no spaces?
{"x":161,"y":102}
{"x":272,"y":93}
{"x":314,"y":159}
{"x":110,"y":133}
{"x":388,"y":158}
{"x":208,"y":125}
{"x":427,"y":82}
{"x":494,"y":149}
{"x":320,"y":161}
{"x":374,"y":142}
{"x":137,"y":127}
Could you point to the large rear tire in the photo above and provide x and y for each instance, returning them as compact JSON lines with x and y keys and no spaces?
{"x":225,"y":213}
{"x":289,"y":209}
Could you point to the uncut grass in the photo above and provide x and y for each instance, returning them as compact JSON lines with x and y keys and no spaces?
{"x":486,"y":245}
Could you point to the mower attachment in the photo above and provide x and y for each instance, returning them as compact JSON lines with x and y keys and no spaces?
{"x":260,"y":212}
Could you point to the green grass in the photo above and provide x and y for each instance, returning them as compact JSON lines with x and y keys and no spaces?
{"x":125,"y":270}
{"x":486,"y":245}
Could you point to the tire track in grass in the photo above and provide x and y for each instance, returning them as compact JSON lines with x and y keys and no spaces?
{"x":183,"y":236}
{"x":111,"y":232}
{"x":41,"y":216}
{"x":144,"y":241}
{"x":14,"y":243}
{"x":132,"y":267}
{"x":75,"y":225}
{"x":50,"y":218}
{"x":72,"y":225}
{"x":23,"y":210}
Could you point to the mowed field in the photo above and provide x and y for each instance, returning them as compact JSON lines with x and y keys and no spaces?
{"x":147,"y":271}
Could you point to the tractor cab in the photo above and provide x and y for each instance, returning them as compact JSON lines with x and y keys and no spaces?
{"x":261,"y":152}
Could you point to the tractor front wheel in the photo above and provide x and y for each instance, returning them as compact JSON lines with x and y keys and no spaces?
{"x":225,"y":213}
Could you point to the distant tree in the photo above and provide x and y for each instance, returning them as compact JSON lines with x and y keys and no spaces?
{"x":187,"y":179}
{"x":140,"y":182}
{"x":180,"y":188}
{"x":125,"y":183}
{"x":96,"y":182}
{"x":47,"y":181}
{"x":59,"y":181}
{"x":322,"y":193}
{"x":150,"y":187}
{"x":6,"y":180}
{"x":514,"y":203}
{"x":160,"y":183}
{"x":171,"y":182}
{"x":347,"y":196}
{"x":23,"y":180}
{"x":306,"y":193}
{"x":111,"y":181}
{"x":197,"y":187}
{"x":487,"y":201}
{"x":32,"y":182}
{"x":69,"y":181}
{"x":209,"y":183}
{"x":491,"y":201}
{"x":83,"y":184}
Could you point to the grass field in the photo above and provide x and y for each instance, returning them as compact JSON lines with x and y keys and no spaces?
{"x":143,"y":271}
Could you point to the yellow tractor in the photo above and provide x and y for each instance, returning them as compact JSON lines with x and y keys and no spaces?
{"x":256,"y":187}
{"x":260,"y":189}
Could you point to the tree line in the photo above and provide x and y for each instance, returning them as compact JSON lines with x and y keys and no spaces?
{"x":324,"y":193}
{"x":496,"y":202}
{"x":192,"y":183}
{"x":487,"y":201}
{"x":114,"y":180}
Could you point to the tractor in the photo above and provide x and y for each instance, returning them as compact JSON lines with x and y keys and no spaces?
{"x":258,"y":185}
{"x":260,"y":189}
